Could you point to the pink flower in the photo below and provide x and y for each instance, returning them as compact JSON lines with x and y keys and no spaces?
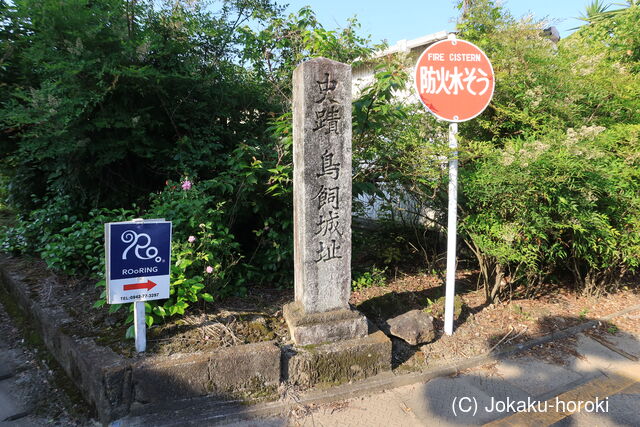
{"x":191,"y":239}
{"x":186,"y":185}
{"x":209,"y":269}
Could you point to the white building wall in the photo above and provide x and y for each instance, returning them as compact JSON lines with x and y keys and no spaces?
{"x":405,"y":209}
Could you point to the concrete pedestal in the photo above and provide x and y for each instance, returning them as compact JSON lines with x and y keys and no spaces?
{"x":323,"y":327}
{"x":338,"y":362}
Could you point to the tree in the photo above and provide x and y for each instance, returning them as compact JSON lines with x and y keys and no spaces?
{"x":541,"y":192}
{"x":595,"y":11}
{"x":110,"y":103}
{"x":106,"y":100}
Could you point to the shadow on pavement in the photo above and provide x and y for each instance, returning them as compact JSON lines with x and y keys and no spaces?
{"x":596,"y":367}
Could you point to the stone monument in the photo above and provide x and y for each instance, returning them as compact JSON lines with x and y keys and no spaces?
{"x":322,"y":206}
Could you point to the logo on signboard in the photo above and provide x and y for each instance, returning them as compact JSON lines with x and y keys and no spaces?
{"x":132,"y":237}
{"x":138,"y":250}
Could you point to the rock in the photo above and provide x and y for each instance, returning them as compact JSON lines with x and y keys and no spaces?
{"x":414,"y":327}
{"x":338,"y":362}
{"x":322,"y":185}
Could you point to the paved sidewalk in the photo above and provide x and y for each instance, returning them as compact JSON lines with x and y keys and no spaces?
{"x":29,"y":393}
{"x":606,"y":379}
{"x":599,"y":375}
{"x":14,"y":362}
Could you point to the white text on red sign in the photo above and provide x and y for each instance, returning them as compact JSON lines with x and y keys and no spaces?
{"x":473,"y":80}
{"x":455,"y":57}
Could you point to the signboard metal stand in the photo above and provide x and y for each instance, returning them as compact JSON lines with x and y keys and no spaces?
{"x":454,"y":80}
{"x":140,"y":326}
{"x":138,"y":258}
{"x":139,"y":318}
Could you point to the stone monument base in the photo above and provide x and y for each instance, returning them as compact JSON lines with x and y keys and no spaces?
{"x":324,"y":327}
{"x":338,"y":362}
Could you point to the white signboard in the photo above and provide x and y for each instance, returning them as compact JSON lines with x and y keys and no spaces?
{"x":138,"y":260}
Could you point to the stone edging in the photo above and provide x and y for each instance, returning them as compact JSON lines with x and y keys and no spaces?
{"x":115,"y":384}
{"x":389,"y":380}
{"x":379,"y":383}
{"x":119,"y":386}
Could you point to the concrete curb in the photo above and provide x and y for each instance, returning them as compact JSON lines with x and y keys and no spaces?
{"x":119,"y":386}
{"x":115,"y":384}
{"x":101,"y":374}
{"x":379,"y":383}
{"x":108,"y":380}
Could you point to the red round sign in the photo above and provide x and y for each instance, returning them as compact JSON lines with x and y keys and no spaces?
{"x":454,"y":80}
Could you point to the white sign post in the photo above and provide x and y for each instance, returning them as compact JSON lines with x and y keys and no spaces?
{"x":138,"y":260}
{"x":454,"y":80}
{"x":452,"y":226}
{"x":140,"y":326}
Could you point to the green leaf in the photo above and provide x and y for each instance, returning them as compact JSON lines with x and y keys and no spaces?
{"x":131,"y":332}
{"x":160,"y":311}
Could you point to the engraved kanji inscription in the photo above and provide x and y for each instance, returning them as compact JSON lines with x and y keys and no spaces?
{"x":328,"y":196}
{"x":327,"y":119}
{"x":327,"y":167}
{"x":326,"y":86}
{"x":328,"y":252}
{"x":329,"y":223}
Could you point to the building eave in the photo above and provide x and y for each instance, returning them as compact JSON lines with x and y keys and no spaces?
{"x":407,"y":45}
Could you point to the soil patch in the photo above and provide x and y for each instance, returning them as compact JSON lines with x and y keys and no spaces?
{"x":257,"y":317}
{"x":481,"y":328}
{"x":254,"y":318}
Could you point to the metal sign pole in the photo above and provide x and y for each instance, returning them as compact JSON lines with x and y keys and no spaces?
{"x":139,"y":321}
{"x":140,"y":326}
{"x":455,"y":92}
{"x":451,"y":230}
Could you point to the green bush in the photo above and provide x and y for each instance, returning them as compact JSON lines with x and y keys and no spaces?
{"x":102,"y":101}
{"x":373,"y":277}
{"x":67,"y":243}
{"x":565,"y":203}
{"x":201,"y":267}
{"x":127,"y":100}
{"x":78,"y":249}
{"x":32,"y":230}
{"x":110,"y":105}
{"x":201,"y":238}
